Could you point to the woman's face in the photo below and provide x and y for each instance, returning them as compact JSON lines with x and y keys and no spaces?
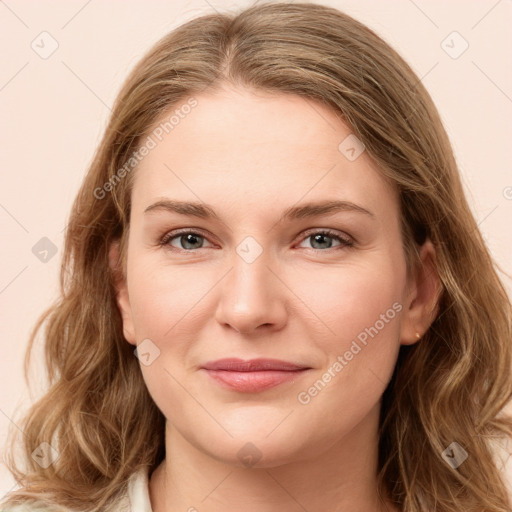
{"x":270,"y":269}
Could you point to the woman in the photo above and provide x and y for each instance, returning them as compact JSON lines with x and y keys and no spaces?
{"x":274,"y":293}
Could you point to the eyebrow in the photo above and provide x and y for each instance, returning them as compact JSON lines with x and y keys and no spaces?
{"x":311,"y":209}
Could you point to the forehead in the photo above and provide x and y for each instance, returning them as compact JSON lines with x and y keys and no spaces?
{"x":258,"y":146}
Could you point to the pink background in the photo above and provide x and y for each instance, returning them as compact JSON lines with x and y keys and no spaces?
{"x":54,"y":110}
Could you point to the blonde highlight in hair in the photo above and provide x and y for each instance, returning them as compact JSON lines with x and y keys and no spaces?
{"x":450,"y":386}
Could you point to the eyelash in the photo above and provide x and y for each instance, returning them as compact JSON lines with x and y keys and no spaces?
{"x":345,"y":241}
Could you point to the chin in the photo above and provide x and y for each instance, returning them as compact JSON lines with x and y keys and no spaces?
{"x":264,"y":447}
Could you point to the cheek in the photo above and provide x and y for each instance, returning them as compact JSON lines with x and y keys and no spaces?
{"x":165,"y":304}
{"x":351,"y":298}
{"x":361,"y":306}
{"x":164,"y":298}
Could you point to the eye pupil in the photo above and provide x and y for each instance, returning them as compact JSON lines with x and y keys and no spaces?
{"x":319,"y":237}
{"x":189,"y":239}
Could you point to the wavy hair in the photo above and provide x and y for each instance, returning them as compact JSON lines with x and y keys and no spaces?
{"x":450,"y":386}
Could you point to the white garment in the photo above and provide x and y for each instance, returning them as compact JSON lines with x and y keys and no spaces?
{"x":136,"y":498}
{"x":138,"y":492}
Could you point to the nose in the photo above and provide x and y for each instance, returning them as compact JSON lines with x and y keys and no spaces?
{"x":252,"y":298}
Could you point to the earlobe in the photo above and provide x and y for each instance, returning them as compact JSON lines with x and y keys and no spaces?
{"x":122,"y":298}
{"x":422,"y":302}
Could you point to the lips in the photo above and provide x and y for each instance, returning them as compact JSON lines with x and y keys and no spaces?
{"x":254,"y":375}
{"x":253,"y":365}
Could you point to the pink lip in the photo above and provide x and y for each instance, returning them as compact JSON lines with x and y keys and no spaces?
{"x":234,"y":364}
{"x":254,"y":375}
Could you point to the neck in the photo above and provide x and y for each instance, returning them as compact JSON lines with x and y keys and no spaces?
{"x":342,"y":478}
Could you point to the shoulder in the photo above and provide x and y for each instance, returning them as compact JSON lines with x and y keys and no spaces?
{"x":135,"y":499}
{"x":33,"y":506}
{"x":27,"y":508}
{"x":138,"y":491}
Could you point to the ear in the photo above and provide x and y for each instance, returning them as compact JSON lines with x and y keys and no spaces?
{"x":421,"y":305}
{"x":122,"y":298}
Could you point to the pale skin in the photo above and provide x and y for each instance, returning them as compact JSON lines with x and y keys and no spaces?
{"x":250,"y":156}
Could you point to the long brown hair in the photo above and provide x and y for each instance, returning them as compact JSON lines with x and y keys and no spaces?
{"x":449,"y":387}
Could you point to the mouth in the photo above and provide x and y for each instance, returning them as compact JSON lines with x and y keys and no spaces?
{"x":254,"y":375}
